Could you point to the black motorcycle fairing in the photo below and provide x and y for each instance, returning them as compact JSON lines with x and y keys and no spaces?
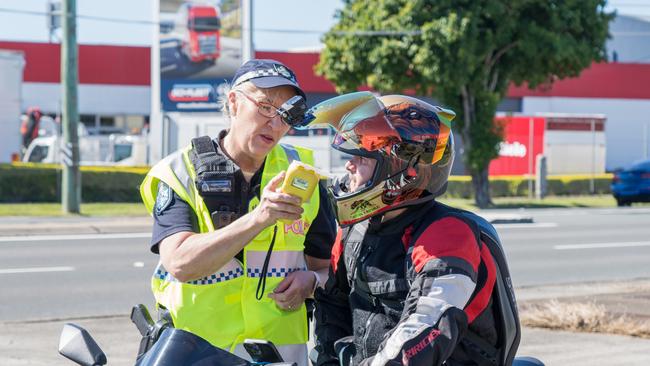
{"x":178,"y":347}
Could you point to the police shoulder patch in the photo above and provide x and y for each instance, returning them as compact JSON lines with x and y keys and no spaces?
{"x":164,"y":197}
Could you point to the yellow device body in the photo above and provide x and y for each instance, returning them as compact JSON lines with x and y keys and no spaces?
{"x":300,"y":180}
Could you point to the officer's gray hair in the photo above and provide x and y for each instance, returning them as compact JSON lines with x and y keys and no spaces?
{"x":226,"y":88}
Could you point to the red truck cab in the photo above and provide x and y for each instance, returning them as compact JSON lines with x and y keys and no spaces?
{"x":199,"y":28}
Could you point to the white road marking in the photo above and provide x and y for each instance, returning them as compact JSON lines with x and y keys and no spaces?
{"x":533,"y":225}
{"x":9,"y":239}
{"x":36,"y":270}
{"x":138,"y":264}
{"x":602,"y":245}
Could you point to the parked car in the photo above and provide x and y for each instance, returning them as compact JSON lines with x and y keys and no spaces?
{"x":632,"y":184}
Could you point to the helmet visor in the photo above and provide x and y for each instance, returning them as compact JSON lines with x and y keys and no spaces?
{"x":331,"y":111}
{"x":366,"y":127}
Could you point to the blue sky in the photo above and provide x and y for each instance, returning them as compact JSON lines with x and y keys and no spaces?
{"x":307,"y":17}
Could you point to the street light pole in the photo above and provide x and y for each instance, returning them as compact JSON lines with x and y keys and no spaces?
{"x":248,"y":51}
{"x":71,"y":185}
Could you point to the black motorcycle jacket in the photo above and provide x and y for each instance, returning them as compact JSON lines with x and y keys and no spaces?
{"x":415,"y":290}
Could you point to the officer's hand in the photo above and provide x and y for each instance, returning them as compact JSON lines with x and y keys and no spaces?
{"x":275,"y":205}
{"x":293,"y":290}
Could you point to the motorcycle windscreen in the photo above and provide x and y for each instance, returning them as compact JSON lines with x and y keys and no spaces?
{"x":178,"y":347}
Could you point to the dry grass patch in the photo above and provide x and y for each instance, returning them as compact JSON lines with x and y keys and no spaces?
{"x":587,"y":317}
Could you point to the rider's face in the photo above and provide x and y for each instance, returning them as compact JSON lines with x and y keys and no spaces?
{"x":360,"y":171}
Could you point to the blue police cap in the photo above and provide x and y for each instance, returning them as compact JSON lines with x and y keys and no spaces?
{"x":266,"y":74}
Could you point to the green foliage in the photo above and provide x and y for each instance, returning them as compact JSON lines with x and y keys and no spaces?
{"x":120,"y":209}
{"x":460,"y":187}
{"x":34,"y":183}
{"x":464,"y":53}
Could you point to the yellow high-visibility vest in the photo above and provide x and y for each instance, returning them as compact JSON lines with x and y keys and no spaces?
{"x":222,"y":307}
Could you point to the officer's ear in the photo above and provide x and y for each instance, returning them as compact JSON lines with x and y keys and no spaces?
{"x":232,"y":103}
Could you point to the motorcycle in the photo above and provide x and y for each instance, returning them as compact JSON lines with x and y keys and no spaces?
{"x":164,"y":345}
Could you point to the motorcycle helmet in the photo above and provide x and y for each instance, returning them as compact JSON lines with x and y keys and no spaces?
{"x":410,"y":140}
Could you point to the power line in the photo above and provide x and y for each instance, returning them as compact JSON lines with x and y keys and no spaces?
{"x":80,"y":16}
{"x":363,"y":33}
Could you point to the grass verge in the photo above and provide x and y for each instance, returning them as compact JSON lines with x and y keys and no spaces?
{"x":87,"y":209}
{"x":525,"y":202}
{"x":587,"y":317}
{"x":135,"y":209}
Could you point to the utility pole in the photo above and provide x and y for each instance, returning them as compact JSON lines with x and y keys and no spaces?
{"x":248,"y":51}
{"x":71,"y":185}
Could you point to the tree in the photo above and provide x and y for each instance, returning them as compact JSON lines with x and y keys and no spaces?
{"x":465,"y":53}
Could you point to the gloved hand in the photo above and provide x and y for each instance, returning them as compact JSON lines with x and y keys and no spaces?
{"x":345,"y":349}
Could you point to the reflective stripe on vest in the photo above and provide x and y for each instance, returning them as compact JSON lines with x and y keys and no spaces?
{"x":222,"y":307}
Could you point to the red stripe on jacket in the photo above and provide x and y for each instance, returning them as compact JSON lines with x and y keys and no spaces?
{"x":447,"y":237}
{"x":482,"y":299}
{"x":337,"y":250}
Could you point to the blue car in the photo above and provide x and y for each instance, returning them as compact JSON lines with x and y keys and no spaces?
{"x":632,"y":184}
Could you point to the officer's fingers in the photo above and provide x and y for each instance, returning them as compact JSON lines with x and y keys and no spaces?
{"x":283,"y":197}
{"x":285,"y":210}
{"x":285,"y":284}
{"x":275,"y":182}
{"x":280,"y":297}
{"x":291,"y":303}
{"x":279,"y":302}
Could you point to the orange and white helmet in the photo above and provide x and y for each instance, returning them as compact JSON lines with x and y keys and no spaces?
{"x":410,"y":140}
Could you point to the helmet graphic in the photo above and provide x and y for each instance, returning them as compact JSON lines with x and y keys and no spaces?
{"x":410,"y":140}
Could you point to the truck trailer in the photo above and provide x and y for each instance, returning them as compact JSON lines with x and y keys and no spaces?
{"x":12,"y":64}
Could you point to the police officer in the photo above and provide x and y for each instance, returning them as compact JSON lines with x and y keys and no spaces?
{"x":412,"y":282}
{"x":238,"y":257}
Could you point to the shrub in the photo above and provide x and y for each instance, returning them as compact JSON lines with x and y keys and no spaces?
{"x":28,"y":182}
{"x":517,"y":186}
{"x":42,"y":183}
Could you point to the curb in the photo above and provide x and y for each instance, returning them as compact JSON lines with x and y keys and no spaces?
{"x":23,"y":226}
{"x":520,"y":220}
{"x":507,"y":219}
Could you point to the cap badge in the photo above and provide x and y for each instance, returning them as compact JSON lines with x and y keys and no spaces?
{"x":283,"y":71}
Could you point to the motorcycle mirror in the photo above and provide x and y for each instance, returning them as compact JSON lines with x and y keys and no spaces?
{"x":79,"y":346}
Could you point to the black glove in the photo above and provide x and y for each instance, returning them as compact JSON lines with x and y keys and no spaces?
{"x":345,"y":349}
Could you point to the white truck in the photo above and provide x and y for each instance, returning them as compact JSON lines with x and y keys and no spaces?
{"x":113,"y":149}
{"x":11,"y":80}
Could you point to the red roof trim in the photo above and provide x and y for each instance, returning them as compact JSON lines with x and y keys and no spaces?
{"x":130,"y":65}
{"x":604,"y":80}
{"x":98,"y":64}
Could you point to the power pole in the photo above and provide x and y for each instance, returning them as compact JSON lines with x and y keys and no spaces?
{"x":248,"y":51}
{"x":71,"y":185}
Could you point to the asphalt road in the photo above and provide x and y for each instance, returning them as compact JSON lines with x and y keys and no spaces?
{"x":84,"y":277}
{"x":578,"y":245}
{"x":54,"y":277}
{"x":76,"y":276}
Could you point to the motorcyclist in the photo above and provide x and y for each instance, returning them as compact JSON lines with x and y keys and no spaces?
{"x":411,"y":280}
